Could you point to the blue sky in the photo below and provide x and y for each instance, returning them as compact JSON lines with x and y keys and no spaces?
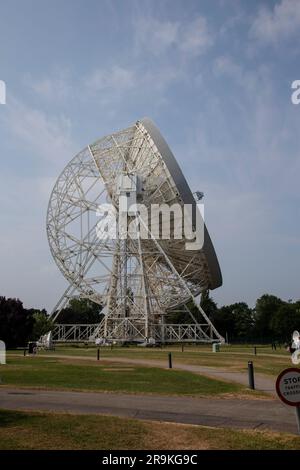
{"x":216,"y":78}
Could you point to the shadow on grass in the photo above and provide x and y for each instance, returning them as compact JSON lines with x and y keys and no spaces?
{"x":16,"y":418}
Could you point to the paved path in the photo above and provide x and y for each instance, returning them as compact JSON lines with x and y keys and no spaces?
{"x":251,"y":414}
{"x":262,"y":383}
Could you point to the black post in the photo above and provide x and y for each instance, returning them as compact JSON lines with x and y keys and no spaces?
{"x":251,"y":375}
{"x":298,"y":418}
{"x":170,"y":360}
{"x":182,"y":348}
{"x":98,"y":354}
{"x":254,"y":350}
{"x":24,"y":352}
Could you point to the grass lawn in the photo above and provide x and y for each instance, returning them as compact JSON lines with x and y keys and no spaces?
{"x":22,"y":430}
{"x":233,"y":358}
{"x":52,"y":373}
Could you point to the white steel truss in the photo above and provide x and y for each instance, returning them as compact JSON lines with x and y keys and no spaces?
{"x":165,"y":333}
{"x":136,"y":281}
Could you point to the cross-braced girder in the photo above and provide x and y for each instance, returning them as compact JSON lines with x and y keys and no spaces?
{"x":136,"y":281}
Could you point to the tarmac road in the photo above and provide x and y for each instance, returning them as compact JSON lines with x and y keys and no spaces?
{"x":235,"y":413}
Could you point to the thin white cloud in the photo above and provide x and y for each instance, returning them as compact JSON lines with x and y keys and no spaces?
{"x":158,"y":37}
{"x":24,"y":250}
{"x":281,"y":22}
{"x":46,"y":136}
{"x":196,"y":37}
{"x":226,"y":66}
{"x":111,"y":84}
{"x":161,"y":78}
{"x":55,"y":87}
{"x":116,"y":77}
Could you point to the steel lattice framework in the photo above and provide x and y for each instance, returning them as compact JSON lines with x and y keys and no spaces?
{"x":137,"y":281}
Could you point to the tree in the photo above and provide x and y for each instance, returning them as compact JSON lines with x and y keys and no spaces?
{"x":285,"y":321}
{"x":42,"y":324}
{"x":244,"y":320}
{"x":265,"y":308}
{"x":182,"y":315}
{"x":209,"y":305}
{"x":16,"y":323}
{"x":80,"y":311}
{"x":224,"y":321}
{"x":236,"y":320}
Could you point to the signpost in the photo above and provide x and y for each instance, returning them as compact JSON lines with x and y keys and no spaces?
{"x":288,"y":389}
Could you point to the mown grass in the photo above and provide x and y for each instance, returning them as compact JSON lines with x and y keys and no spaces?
{"x":22,"y":430}
{"x":233,"y":358}
{"x":38,"y":371}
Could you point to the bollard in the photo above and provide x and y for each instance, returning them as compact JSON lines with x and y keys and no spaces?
{"x":182,"y":348}
{"x":297,"y":409}
{"x":254,"y":350}
{"x":98,"y":354}
{"x":24,"y":352}
{"x":251,"y":375}
{"x":170,"y":360}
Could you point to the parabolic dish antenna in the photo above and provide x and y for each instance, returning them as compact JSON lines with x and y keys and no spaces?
{"x":147,"y":270}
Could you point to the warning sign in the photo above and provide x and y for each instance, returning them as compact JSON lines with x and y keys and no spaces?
{"x":288,"y":386}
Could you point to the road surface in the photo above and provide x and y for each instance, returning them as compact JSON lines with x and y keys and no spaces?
{"x":236,"y":413}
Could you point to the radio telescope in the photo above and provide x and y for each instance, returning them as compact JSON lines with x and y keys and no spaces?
{"x":138,"y":281}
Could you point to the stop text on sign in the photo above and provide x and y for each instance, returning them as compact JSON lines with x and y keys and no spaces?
{"x":288,"y":386}
{"x":291,"y":380}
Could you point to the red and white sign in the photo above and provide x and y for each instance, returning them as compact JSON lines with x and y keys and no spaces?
{"x":288,"y":386}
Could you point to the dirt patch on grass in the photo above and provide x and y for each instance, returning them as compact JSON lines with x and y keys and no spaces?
{"x":172,"y":436}
{"x":245,"y":396}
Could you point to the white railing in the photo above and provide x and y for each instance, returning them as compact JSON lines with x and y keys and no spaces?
{"x":128,"y":331}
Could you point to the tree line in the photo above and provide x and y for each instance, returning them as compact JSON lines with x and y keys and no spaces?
{"x":271,"y":320}
{"x":19,"y":325}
